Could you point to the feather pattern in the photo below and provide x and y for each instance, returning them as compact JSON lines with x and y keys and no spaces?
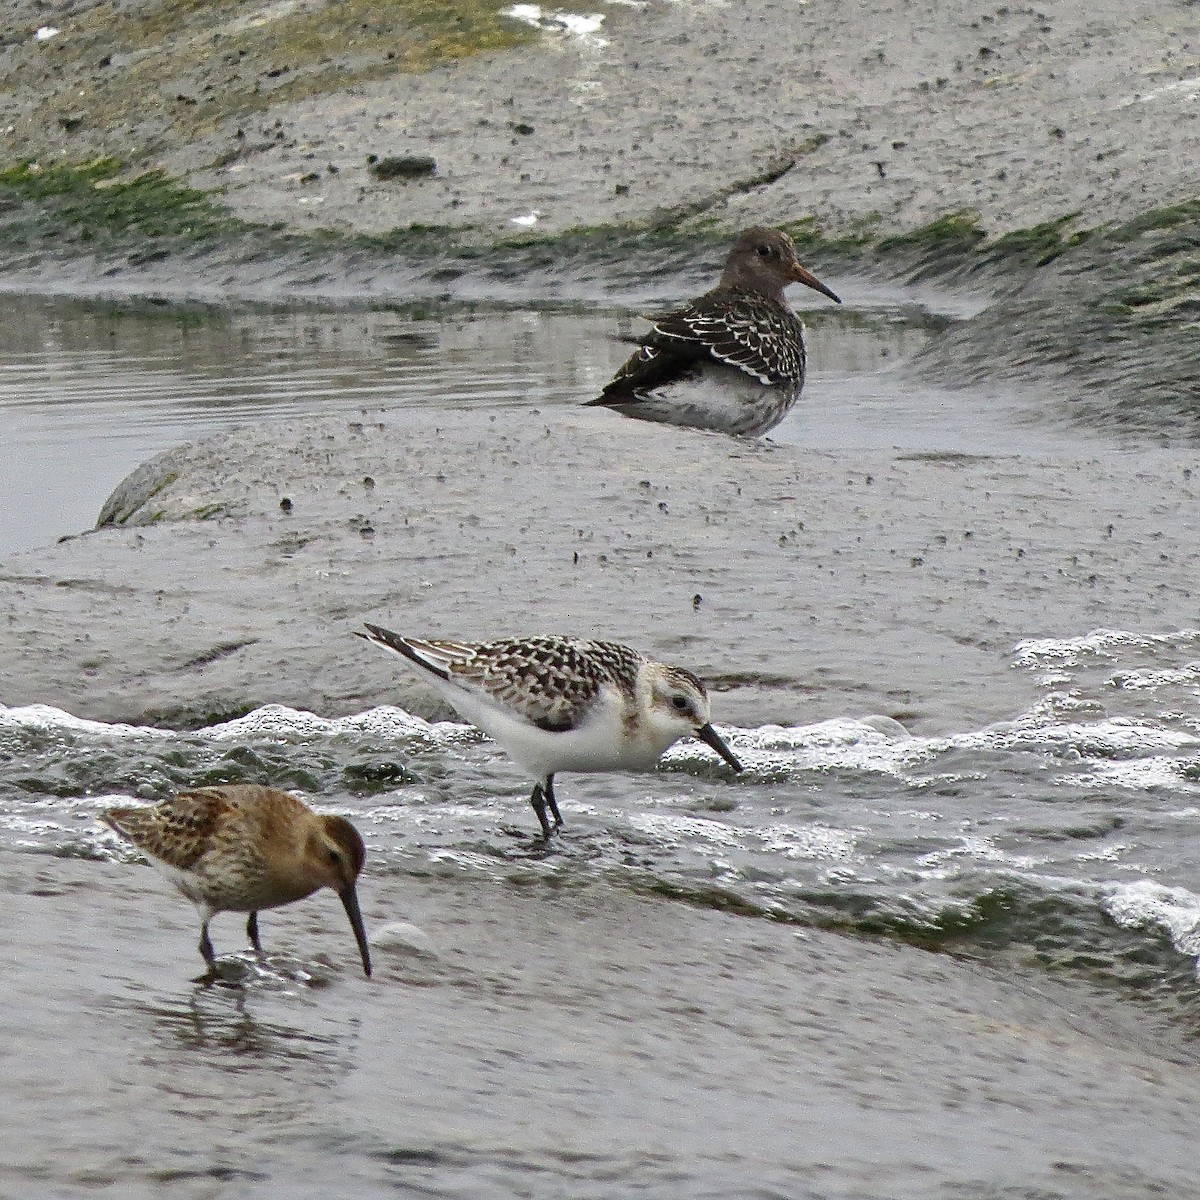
{"x":752,"y":332}
{"x":734,"y":359}
{"x":550,"y":682}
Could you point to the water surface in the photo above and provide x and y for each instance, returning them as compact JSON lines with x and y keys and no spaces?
{"x":89,"y":390}
{"x":875,"y":964}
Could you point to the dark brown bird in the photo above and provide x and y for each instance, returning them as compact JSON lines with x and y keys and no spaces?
{"x":733,"y":360}
{"x":243,"y":848}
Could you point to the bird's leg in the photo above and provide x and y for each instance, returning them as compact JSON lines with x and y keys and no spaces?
{"x":209,"y":955}
{"x":538,"y":800}
{"x":206,"y":948}
{"x":550,"y":800}
{"x":252,"y":934}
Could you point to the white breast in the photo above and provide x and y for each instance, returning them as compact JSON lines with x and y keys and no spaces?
{"x":717,"y":397}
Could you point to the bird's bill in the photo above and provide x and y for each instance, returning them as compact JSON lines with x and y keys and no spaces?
{"x":805,"y":276}
{"x":710,"y":737}
{"x":349,"y":899}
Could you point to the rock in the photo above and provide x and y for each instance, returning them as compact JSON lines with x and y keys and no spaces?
{"x":408,"y":166}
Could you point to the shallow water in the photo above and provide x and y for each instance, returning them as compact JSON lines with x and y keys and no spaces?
{"x":665,"y":1000}
{"x":624,"y":1012}
{"x":1062,"y":833}
{"x":89,"y":390}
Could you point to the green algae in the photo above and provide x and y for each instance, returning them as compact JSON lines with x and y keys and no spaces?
{"x":955,"y":232}
{"x":165,"y":71}
{"x":95,"y":198}
{"x":1040,"y":244}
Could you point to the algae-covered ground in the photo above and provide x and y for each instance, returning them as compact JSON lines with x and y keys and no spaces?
{"x":1043,"y":160}
{"x":161,"y":72}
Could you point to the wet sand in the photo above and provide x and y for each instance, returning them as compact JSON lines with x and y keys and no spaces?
{"x":829,"y":583}
{"x":574,"y":1041}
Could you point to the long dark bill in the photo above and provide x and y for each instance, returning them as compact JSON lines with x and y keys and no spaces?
{"x":805,"y":276}
{"x":710,"y":737}
{"x":349,"y":899}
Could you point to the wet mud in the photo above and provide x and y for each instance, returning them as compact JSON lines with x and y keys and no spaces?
{"x":801,"y":584}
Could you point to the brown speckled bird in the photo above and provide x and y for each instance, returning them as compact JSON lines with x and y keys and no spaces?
{"x":243,"y":848}
{"x":564,"y":704}
{"x":733,"y":360}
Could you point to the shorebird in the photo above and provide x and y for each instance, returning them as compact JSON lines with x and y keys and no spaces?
{"x":243,"y":848}
{"x":732,"y":360}
{"x":564,"y":704}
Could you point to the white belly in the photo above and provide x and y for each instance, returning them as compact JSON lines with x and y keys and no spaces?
{"x":604,"y":743}
{"x":717,"y":397}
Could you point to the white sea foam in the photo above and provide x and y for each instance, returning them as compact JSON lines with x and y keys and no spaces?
{"x":1143,"y":905}
{"x":279,"y":721}
{"x":1099,"y":643}
{"x":871,"y":745}
{"x":1138,"y":774}
{"x":1139,"y":680}
{"x":1116,"y":735}
{"x":675,"y":828}
{"x":273,"y":721}
{"x":47,"y":719}
{"x":808,"y":841}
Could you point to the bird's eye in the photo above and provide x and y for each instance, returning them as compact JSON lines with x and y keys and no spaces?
{"x":764,"y":251}
{"x":680,"y":703}
{"x":334,"y":856}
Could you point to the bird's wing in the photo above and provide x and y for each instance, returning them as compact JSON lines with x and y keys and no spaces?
{"x":177,"y":831}
{"x":652,"y":366}
{"x":436,"y":657}
{"x":550,"y":682}
{"x":753,"y":333}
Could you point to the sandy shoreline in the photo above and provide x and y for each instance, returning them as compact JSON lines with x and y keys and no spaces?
{"x":882,"y":115}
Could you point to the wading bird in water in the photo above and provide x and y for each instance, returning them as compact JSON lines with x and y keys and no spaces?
{"x":732,"y":360}
{"x":243,"y":848}
{"x":564,"y":704}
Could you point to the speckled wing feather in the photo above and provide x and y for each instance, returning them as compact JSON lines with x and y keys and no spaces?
{"x":752,"y":332}
{"x":552,"y":682}
{"x":178,"y":831}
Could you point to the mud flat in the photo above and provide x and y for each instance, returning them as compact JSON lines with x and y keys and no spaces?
{"x":882,"y":115}
{"x":802,"y":584}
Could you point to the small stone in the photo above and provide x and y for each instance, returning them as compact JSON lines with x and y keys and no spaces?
{"x":409,"y":166}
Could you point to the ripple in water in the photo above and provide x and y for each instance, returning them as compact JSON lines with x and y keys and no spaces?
{"x":1061,"y":832}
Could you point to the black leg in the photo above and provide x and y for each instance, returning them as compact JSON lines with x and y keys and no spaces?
{"x":538,"y":800}
{"x":549,"y":789}
{"x":206,"y":948}
{"x":252,"y":933}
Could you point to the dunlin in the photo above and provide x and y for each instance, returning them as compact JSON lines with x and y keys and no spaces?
{"x":564,"y":704}
{"x":734,"y":359}
{"x":243,"y":848}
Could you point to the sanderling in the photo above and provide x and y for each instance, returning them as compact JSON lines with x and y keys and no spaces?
{"x":734,"y":359}
{"x":243,"y":848}
{"x":564,"y":704}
